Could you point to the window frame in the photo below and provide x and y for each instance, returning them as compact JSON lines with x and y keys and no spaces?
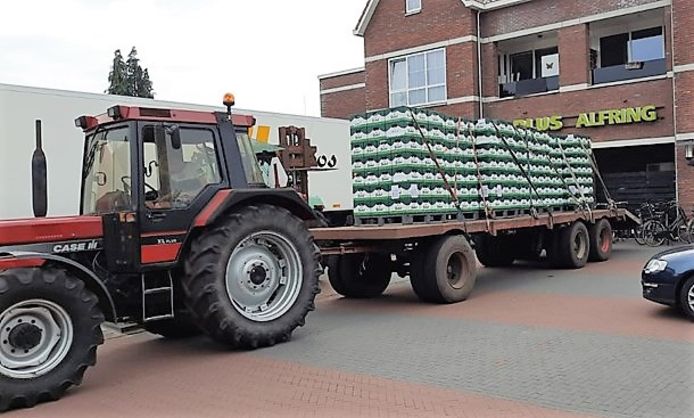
{"x":426,"y":85}
{"x":629,"y":45}
{"x":413,"y":11}
{"x":506,"y":63}
{"x":202,"y":192}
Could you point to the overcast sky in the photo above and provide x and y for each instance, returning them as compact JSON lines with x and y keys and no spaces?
{"x":268,"y":52}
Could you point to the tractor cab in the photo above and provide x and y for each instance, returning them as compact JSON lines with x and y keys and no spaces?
{"x":158,"y":160}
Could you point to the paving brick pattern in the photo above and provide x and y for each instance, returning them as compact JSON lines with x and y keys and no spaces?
{"x":585,"y":372}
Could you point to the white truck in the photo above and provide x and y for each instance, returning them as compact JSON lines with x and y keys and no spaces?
{"x":20,"y":106}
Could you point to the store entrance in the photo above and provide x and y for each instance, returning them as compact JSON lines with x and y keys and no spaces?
{"x":638,"y":174}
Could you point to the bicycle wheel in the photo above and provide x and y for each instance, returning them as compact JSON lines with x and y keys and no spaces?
{"x":653,"y":233}
{"x":689,"y":234}
{"x":637,"y":234}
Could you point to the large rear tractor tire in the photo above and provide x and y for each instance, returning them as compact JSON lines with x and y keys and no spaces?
{"x":180,"y":326}
{"x":252,"y":277}
{"x":494,"y":251}
{"x":600,"y":241}
{"x":570,"y":247}
{"x":50,"y":327}
{"x":445,"y":271}
{"x":360,"y":276}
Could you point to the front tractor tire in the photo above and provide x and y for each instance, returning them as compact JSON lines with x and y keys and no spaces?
{"x":50,"y":327}
{"x":252,"y":277}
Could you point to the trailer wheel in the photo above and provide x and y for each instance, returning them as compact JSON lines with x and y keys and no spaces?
{"x":360,"y":276}
{"x":571,"y":247}
{"x":494,"y":251}
{"x":446,"y":271}
{"x":50,"y":327}
{"x":600,"y":240}
{"x":252,"y":278}
{"x":181,"y":326}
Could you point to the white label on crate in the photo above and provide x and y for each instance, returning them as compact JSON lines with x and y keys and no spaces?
{"x":395,"y":192}
{"x":414,"y":191}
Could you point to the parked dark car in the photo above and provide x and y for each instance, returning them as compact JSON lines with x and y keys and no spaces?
{"x":668,"y":278}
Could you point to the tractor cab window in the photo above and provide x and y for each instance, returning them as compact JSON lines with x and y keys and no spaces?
{"x":106,"y":181}
{"x":251,"y":168}
{"x":173,"y":177}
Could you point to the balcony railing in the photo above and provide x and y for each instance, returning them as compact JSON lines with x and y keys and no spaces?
{"x":525,"y":87}
{"x":629,"y":71}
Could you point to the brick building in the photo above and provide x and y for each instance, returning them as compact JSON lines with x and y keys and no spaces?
{"x":619,"y":71}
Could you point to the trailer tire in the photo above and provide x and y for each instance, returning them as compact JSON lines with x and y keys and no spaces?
{"x":494,"y":251}
{"x":446,"y":271}
{"x":180,"y":326}
{"x":600,"y":240}
{"x":360,"y":276}
{"x":571,"y":247}
{"x":56,"y":321}
{"x":252,"y":277}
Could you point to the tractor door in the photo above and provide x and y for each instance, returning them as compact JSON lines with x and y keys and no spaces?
{"x":181,"y":172}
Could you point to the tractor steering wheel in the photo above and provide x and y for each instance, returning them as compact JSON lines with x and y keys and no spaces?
{"x":128,"y":189}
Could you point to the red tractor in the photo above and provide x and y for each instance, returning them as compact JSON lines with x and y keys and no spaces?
{"x":177,"y":232}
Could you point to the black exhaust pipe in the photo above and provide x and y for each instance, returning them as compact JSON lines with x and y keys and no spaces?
{"x":39,"y":177}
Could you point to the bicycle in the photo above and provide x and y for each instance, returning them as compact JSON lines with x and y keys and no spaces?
{"x":670,"y":224}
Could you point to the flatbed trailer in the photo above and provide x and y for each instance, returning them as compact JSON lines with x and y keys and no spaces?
{"x":439,"y":257}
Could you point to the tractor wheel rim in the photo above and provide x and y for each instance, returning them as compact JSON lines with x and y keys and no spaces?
{"x":579,"y":246}
{"x":264,"y":276}
{"x":690,"y":298}
{"x":455,"y":270}
{"x":35,"y":337}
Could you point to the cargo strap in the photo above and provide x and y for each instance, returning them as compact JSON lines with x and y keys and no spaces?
{"x":559,"y":175}
{"x":487,"y":209}
{"x":583,"y":204}
{"x":593,"y":162}
{"x":518,"y":163}
{"x":432,"y":154}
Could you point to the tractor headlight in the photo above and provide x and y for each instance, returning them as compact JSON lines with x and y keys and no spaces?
{"x":655,"y":266}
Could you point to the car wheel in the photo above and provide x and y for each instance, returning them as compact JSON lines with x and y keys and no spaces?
{"x":687,"y":298}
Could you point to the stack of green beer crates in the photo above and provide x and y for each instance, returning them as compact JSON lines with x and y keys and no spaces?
{"x":401,"y":155}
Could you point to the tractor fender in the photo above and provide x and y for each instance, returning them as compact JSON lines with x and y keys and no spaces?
{"x":91,"y":280}
{"x":226,"y":201}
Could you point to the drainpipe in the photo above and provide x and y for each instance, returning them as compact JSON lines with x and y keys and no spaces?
{"x":674,"y":96}
{"x":479,"y":64}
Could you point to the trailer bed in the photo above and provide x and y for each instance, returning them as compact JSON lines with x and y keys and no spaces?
{"x":400,"y":231}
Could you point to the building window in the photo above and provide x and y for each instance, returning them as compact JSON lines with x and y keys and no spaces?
{"x":647,"y":45}
{"x":418,"y":79}
{"x":529,"y":72}
{"x":637,"y":46}
{"x":413,"y":6}
{"x":631,"y":55}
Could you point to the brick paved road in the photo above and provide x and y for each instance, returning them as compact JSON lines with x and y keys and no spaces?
{"x":529,"y":343}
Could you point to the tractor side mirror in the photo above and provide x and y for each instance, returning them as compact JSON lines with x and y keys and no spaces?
{"x":39,"y":177}
{"x":175,"y":134}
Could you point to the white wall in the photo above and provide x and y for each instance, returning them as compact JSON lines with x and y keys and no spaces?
{"x":63,"y":142}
